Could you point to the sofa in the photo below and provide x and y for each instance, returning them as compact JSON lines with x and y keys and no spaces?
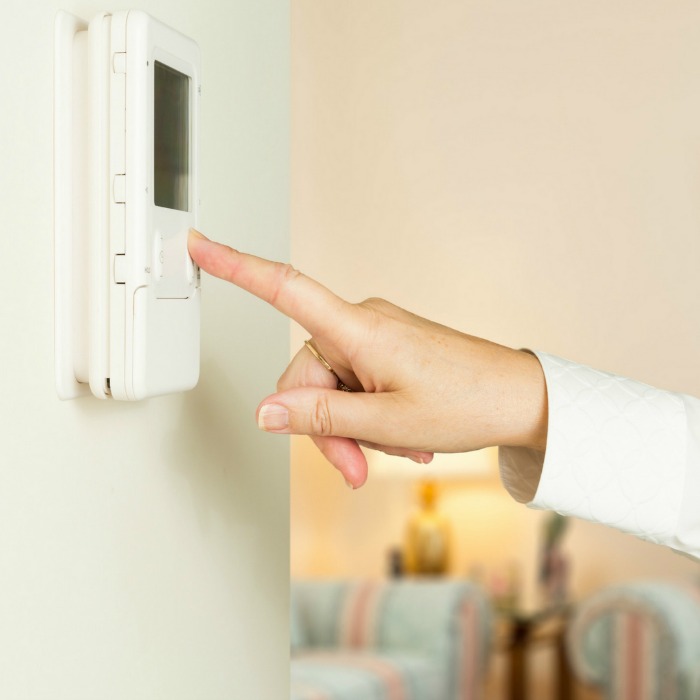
{"x":400,"y":640}
{"x":638,"y":641}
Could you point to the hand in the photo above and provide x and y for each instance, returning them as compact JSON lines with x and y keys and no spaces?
{"x":418,"y":387}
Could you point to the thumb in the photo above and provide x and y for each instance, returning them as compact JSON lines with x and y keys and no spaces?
{"x":324,"y":412}
{"x":336,"y":421}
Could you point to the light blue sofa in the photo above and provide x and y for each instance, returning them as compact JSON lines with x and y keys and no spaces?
{"x":404,"y":640}
{"x":639,"y":641}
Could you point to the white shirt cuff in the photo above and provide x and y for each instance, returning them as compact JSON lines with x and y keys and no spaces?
{"x":616,"y":452}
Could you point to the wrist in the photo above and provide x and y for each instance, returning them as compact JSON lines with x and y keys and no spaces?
{"x":530,"y":409}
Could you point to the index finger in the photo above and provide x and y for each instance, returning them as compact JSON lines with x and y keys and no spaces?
{"x":301,"y":298}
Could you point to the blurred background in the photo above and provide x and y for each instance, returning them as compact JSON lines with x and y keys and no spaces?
{"x":528,"y":173}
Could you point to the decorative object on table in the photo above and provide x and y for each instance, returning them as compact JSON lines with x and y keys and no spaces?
{"x":504,"y":587}
{"x":395,"y":562}
{"x":428,"y":539}
{"x":428,"y":536}
{"x":554,"y":564}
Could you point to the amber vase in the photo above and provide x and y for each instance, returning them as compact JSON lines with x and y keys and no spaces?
{"x":427,"y":536}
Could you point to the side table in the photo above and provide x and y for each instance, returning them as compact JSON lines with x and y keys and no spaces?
{"x":519,"y":630}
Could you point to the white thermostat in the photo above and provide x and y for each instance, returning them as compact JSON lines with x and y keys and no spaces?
{"x":126,"y":192}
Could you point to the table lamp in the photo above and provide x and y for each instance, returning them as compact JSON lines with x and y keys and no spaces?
{"x":427,"y":545}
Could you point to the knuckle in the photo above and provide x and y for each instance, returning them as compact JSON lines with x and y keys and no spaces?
{"x":376,"y":312}
{"x":286,"y":274}
{"x":380,"y":307}
{"x":375,"y":303}
{"x":321,"y":423}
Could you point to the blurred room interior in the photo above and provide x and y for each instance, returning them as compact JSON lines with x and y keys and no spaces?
{"x":527,"y":173}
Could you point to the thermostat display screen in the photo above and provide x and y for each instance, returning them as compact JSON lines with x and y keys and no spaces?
{"x":171,"y":138}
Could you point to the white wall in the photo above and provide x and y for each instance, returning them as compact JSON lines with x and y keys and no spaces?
{"x":144,"y":547}
{"x":527,"y":172}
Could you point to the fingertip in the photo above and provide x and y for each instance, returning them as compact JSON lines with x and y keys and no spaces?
{"x":353,"y":467}
{"x":194,"y":233}
{"x":355,"y":479}
{"x":347,"y":457}
{"x":195,"y":242}
{"x":354,"y":470}
{"x":218,"y":259}
{"x":273,"y":418}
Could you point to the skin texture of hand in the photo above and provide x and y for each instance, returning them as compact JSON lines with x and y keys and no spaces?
{"x":418,"y":387}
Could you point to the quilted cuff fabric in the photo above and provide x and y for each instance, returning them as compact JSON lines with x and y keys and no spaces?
{"x":616,"y":453}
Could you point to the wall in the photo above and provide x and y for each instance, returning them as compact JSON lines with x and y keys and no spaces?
{"x":144,"y":547}
{"x":523,"y":172}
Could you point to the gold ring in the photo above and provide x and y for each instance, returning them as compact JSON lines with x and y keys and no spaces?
{"x":341,"y":386}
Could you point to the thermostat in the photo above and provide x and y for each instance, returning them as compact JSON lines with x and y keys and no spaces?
{"x":126,"y":192}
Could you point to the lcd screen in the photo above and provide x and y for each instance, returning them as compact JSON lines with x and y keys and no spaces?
{"x":171,"y":138}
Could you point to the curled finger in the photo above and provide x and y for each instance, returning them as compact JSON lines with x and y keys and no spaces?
{"x":414,"y":455}
{"x":346,"y":456}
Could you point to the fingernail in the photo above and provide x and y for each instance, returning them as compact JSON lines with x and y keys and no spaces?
{"x":418,"y":460}
{"x":272,"y":416}
{"x":198,"y":234}
{"x":349,"y":485}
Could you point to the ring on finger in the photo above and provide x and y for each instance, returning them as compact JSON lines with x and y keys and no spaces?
{"x":341,"y":385}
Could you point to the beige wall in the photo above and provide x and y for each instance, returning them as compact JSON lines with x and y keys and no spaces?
{"x":523,"y":172}
{"x":144,"y":547}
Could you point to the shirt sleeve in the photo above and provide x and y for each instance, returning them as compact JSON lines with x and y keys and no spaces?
{"x":619,"y":452}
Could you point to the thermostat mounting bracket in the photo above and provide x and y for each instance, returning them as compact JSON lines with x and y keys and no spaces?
{"x":126,"y":192}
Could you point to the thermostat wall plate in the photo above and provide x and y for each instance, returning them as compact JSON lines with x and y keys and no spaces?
{"x":126,"y":192}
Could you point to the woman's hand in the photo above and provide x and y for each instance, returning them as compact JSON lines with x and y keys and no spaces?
{"x":418,"y":387}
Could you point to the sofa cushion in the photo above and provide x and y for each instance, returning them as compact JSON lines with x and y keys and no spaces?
{"x":447,"y":623}
{"x":360,"y":675}
{"x":317,"y":604}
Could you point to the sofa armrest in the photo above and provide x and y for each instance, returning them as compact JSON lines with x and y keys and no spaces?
{"x":433,"y":617}
{"x":445,"y":622}
{"x":449,"y":622}
{"x":643,"y":636}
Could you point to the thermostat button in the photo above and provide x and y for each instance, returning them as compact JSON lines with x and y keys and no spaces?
{"x":158,"y":255}
{"x":120,"y":269}
{"x":119,"y":62}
